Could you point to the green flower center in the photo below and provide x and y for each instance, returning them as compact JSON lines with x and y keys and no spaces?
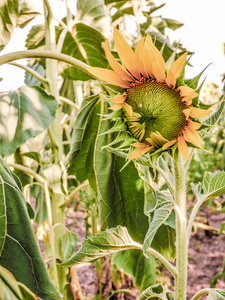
{"x":160,"y":109}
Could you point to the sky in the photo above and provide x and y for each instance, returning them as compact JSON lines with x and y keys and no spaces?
{"x":203,"y":33}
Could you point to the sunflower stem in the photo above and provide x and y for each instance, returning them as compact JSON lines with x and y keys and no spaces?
{"x":181,"y":230}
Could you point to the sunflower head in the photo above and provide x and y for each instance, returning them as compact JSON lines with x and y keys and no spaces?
{"x":159,"y":110}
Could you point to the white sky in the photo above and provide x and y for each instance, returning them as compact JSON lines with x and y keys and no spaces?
{"x":203,"y":33}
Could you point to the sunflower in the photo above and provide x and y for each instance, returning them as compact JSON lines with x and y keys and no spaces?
{"x":157,"y":110}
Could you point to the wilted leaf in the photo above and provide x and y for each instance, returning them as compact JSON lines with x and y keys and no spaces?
{"x":158,"y":214}
{"x":24,"y":113}
{"x":158,"y":292}
{"x":8,"y":19}
{"x":133,"y":262}
{"x":19,"y":251}
{"x":104,"y":243}
{"x":69,"y":242}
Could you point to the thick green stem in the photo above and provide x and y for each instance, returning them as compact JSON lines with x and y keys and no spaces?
{"x":181,"y":231}
{"x":55,"y":133}
{"x":44,"y":54}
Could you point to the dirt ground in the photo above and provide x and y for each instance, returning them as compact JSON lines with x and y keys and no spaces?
{"x":206,"y":252}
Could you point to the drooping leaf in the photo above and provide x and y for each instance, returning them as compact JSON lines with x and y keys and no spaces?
{"x":133,"y":262}
{"x":19,"y":251}
{"x":213,"y":184}
{"x":216,"y":294}
{"x":13,"y":290}
{"x":9,"y":11}
{"x":160,"y":235}
{"x":215,"y":116}
{"x":93,"y":13}
{"x":69,"y":242}
{"x":104,"y":243}
{"x":27,"y":13}
{"x":86,"y":44}
{"x":120,"y":190}
{"x":158,"y":292}
{"x":24,"y":113}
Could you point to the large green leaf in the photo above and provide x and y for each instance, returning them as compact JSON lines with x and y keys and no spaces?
{"x":158,"y":216}
{"x":120,"y":190}
{"x":19,"y":252}
{"x":10,"y":289}
{"x":9,"y":11}
{"x":134,"y":263}
{"x":83,"y":43}
{"x":24,"y":113}
{"x":104,"y":243}
{"x":213,"y":184}
{"x":93,"y":14}
{"x":158,"y":292}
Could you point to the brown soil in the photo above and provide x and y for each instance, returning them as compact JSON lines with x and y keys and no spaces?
{"x":206,"y":251}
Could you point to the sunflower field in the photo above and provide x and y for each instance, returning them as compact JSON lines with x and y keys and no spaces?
{"x":111,"y":158}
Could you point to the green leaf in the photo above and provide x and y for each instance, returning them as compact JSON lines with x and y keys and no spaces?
{"x":215,"y":116}
{"x":157,"y":217}
{"x":10,"y":289}
{"x":34,"y":155}
{"x":120,"y":190}
{"x":69,"y":242}
{"x":19,"y":251}
{"x":24,"y":113}
{"x":121,"y":12}
{"x":8,"y":20}
{"x":83,"y":43}
{"x":27,"y":13}
{"x":104,"y":243}
{"x":93,"y":13}
{"x":213,"y":184}
{"x":36,"y":37}
{"x":143,"y":270}
{"x":173,"y":24}
{"x":216,"y":294}
{"x":156,"y":292}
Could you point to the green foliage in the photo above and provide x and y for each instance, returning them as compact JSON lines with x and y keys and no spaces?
{"x":24,"y":113}
{"x":156,"y":292}
{"x":133,"y":262}
{"x":12,"y":289}
{"x":19,"y":252}
{"x":104,"y":243}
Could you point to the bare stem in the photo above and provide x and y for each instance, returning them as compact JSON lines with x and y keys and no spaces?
{"x":181,"y":231}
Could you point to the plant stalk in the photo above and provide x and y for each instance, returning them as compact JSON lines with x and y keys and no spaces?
{"x":181,"y":230}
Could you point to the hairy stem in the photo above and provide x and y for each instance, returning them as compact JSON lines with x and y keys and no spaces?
{"x":181,"y":231}
{"x":44,"y":54}
{"x":201,"y":293}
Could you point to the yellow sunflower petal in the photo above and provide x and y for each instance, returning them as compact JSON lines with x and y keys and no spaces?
{"x":194,"y":125}
{"x":175,"y":69}
{"x":139,"y":55}
{"x":199,"y":113}
{"x":186,"y":91}
{"x":119,"y":99}
{"x":183,"y":148}
{"x":128,"y":108}
{"x":187,"y":100}
{"x":187,"y":112}
{"x":117,"y":106}
{"x":108,"y":76}
{"x":157,"y":61}
{"x":115,"y":65}
{"x":126,"y":54}
{"x":147,"y":58}
{"x":168,"y":144}
{"x":192,"y":136}
{"x":140,"y":151}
